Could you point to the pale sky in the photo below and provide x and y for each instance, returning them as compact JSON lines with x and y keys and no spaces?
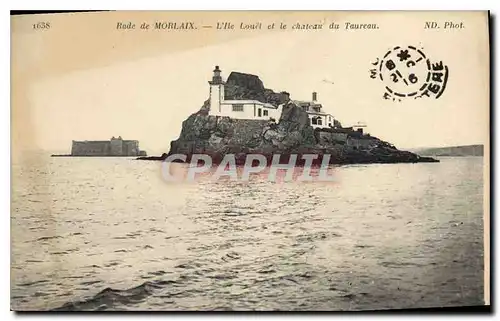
{"x":147,"y":96}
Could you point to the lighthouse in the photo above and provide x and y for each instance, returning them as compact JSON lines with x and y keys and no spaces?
{"x":243,"y":108}
{"x":216,"y":92}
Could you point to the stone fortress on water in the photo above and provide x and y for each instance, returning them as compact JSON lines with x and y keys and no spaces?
{"x":112,"y":147}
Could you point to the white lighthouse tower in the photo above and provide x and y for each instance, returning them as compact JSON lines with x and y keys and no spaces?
{"x":238,"y":108}
{"x":216,"y":92}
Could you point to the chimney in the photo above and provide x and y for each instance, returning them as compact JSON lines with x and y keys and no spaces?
{"x":315,"y":96}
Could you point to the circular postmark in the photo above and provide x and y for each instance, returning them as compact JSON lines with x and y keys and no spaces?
{"x":406,"y":72}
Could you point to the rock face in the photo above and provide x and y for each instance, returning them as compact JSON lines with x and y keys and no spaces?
{"x":240,"y":86}
{"x":292,"y":134}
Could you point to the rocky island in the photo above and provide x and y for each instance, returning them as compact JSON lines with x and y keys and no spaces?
{"x":292,"y":133}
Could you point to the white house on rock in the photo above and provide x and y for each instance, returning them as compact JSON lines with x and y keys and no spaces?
{"x":238,"y":109}
{"x":254,"y":109}
{"x":317,"y":117}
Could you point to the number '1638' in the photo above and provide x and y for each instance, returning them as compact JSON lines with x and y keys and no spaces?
{"x":41,"y":25}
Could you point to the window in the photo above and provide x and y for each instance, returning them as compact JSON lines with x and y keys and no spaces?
{"x":237,"y":107}
{"x":316,"y":120}
{"x":259,"y":112}
{"x":266,"y":113}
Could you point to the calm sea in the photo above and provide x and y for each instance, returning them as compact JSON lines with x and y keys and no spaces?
{"x":111,"y":234}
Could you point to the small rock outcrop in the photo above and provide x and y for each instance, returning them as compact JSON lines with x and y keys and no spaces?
{"x":240,"y":86}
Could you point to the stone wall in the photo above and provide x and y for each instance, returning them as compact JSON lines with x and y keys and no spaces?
{"x":361,"y":143}
{"x":325,"y":137}
{"x":116,"y":147}
{"x":130,"y":148}
{"x":90,"y":148}
{"x":113,"y":147}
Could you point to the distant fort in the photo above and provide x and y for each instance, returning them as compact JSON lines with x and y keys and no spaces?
{"x":113,"y":147}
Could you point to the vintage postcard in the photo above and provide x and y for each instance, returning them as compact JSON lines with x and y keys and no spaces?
{"x":250,"y":160}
